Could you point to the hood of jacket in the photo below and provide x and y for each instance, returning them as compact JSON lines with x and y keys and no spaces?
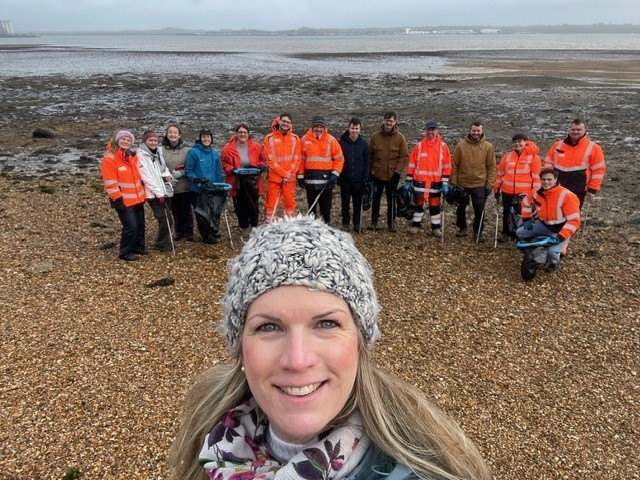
{"x":394,"y":129}
{"x":167,"y":144}
{"x":275,"y":125}
{"x":199,"y":146}
{"x":346,"y":138}
{"x":470,"y":140}
{"x":530,"y":148}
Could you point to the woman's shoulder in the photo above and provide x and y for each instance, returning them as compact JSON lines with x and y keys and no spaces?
{"x":377,"y":465}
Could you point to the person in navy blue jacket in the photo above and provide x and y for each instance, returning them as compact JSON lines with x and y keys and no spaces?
{"x":204,"y":168}
{"x":355,"y":173}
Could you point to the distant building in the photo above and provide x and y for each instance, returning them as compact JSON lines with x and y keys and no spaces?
{"x":5,"y":27}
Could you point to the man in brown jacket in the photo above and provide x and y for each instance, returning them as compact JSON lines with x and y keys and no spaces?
{"x":473,"y":167}
{"x":388,"y":156}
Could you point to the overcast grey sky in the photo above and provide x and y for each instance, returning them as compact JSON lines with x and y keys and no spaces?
{"x":63,"y":15}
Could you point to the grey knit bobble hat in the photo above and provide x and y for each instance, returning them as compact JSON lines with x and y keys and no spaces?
{"x":299,"y":251}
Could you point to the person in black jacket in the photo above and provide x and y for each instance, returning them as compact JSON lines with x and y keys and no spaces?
{"x":355,"y":173}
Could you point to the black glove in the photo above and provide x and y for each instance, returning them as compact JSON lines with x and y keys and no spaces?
{"x":262,"y":168}
{"x":301,"y":182}
{"x":395,"y":179}
{"x":561,"y":239}
{"x":331,"y":181}
{"x":487,"y":192}
{"x":118,"y":204}
{"x":498,"y":196}
{"x":200,"y":180}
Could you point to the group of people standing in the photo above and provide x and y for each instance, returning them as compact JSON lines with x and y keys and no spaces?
{"x":180,"y":181}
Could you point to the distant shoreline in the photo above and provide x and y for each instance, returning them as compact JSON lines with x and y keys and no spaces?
{"x":404,"y":30}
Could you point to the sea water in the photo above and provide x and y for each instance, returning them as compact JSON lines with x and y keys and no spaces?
{"x":86,"y":55}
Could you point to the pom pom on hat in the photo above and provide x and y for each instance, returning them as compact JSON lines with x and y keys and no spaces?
{"x":299,"y":251}
{"x":124,"y":133}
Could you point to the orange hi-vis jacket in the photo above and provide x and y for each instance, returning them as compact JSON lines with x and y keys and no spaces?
{"x":581,"y":165}
{"x":518,"y":174}
{"x":282,"y":152}
{"x":429,"y":162}
{"x":321,"y":157}
{"x":557,"y":207}
{"x":121,"y":177}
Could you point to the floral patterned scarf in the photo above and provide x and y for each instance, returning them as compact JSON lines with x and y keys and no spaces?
{"x":236,"y":449}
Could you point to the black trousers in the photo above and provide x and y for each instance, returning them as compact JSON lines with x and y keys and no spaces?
{"x":132,"y":235}
{"x":245,"y":204}
{"x":507,"y":201}
{"x":324,"y":202}
{"x":389,"y":187}
{"x":349,"y":192}
{"x":182,"y":214}
{"x":478,"y":199}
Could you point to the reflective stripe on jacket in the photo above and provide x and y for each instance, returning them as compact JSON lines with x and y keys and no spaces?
{"x":121,"y":178}
{"x":519,"y":173}
{"x":283,"y":154}
{"x":558,"y":208}
{"x":583,"y":162}
{"x":430,"y":162}
{"x":321,"y":158}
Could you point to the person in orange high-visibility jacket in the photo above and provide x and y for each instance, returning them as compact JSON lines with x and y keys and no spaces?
{"x":282,"y":149}
{"x":320,"y":167}
{"x":122,"y":182}
{"x":429,"y":170}
{"x":551,"y":210}
{"x":518,"y":173}
{"x":580,"y":162}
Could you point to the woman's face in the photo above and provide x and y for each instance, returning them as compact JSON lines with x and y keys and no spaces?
{"x":173,"y":134}
{"x":124,"y":143}
{"x":300,"y":353}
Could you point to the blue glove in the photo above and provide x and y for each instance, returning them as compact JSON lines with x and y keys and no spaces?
{"x":445,"y":189}
{"x":301,"y":182}
{"x":528,"y":225}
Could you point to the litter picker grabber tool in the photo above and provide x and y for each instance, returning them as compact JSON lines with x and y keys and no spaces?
{"x":442,"y":213}
{"x":166,"y":216}
{"x":315,"y":201}
{"x":275,"y":207}
{"x":495,"y":235}
{"x":480,"y":227}
{"x":361,"y":210}
{"x":585,"y":217}
{"x":226,"y":219}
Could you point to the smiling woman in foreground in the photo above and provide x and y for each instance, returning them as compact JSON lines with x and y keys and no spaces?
{"x":303,"y":399}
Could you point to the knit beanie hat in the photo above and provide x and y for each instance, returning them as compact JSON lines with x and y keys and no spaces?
{"x":299,"y":251}
{"x":124,"y":133}
{"x":148,"y":134}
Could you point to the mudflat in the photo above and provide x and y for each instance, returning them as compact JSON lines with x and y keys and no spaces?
{"x":95,"y":361}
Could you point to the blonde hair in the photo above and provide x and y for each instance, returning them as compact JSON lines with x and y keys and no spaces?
{"x":397,"y":417}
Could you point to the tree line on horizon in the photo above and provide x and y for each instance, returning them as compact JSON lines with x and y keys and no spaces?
{"x":307,"y":31}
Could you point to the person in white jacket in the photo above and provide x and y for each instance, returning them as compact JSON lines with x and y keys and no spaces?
{"x":158,"y":188}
